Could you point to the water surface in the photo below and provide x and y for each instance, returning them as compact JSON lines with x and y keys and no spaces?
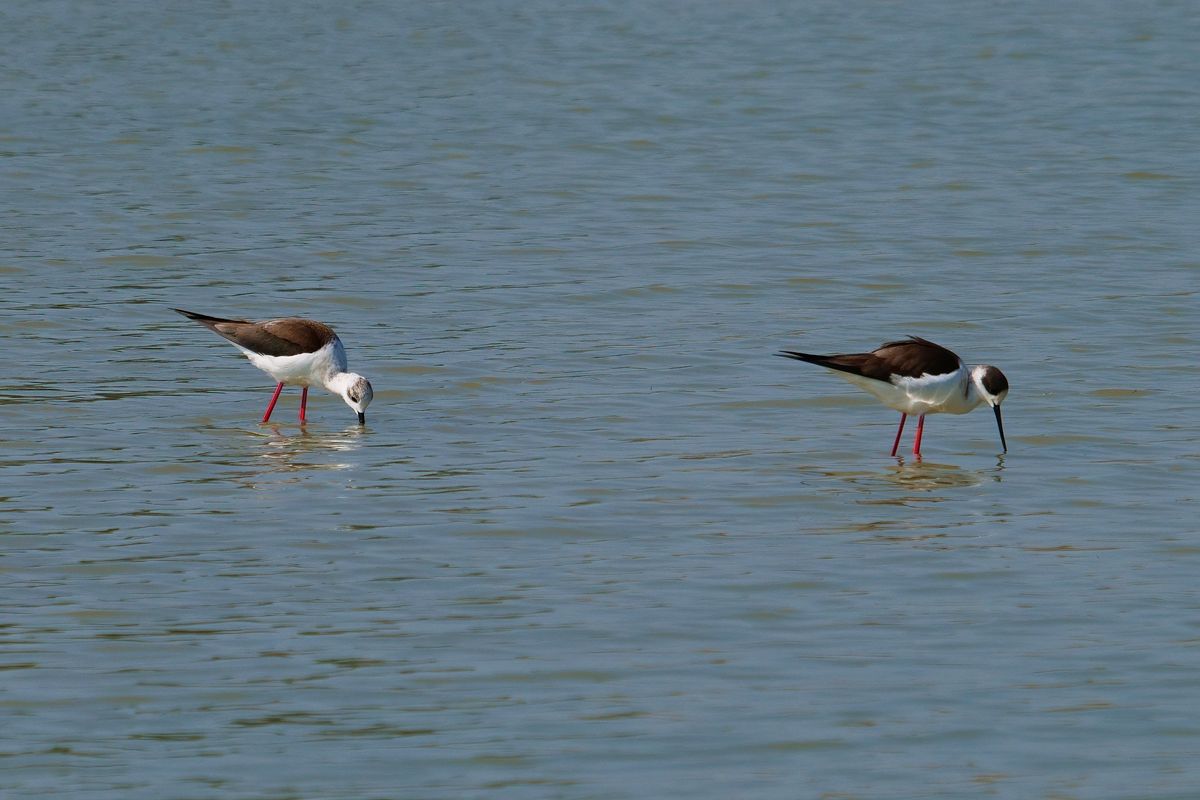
{"x":596,"y":542}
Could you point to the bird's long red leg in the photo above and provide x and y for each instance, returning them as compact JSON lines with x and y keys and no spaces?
{"x":917,"y":443}
{"x":900,"y":430}
{"x":303,"y":402}
{"x":274,"y":398}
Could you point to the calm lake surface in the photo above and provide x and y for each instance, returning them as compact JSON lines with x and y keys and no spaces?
{"x":596,"y":542}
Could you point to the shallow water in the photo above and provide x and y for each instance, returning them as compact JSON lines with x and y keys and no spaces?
{"x":595,"y":541}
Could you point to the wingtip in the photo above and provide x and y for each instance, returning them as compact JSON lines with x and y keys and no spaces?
{"x":204,"y":319}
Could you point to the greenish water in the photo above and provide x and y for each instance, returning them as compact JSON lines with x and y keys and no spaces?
{"x":597,"y":542}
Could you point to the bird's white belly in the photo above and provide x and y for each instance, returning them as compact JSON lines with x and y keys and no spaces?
{"x":305,"y":369}
{"x":929,"y":394}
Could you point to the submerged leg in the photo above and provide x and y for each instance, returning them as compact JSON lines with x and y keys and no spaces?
{"x":303,"y":402}
{"x":274,"y":397}
{"x":920,"y":428}
{"x":899,"y":431}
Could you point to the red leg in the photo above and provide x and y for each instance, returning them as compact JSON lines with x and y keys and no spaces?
{"x":303,"y":402}
{"x":896,"y":443}
{"x":274,"y":397}
{"x":917,"y":443}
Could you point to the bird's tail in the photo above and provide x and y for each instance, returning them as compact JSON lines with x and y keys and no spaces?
{"x":205,"y":319}
{"x":851,"y":363}
{"x":808,"y":357}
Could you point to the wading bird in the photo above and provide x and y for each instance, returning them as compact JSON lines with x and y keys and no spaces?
{"x":916,"y":376}
{"x":301,"y":352}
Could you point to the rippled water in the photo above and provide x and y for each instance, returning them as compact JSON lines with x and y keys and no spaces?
{"x":596,"y":542}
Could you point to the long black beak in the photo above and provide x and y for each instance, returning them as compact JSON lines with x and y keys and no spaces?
{"x":999,"y":424}
{"x":362,"y":420}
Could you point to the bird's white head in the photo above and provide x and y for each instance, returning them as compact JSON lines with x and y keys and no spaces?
{"x":991,"y":385}
{"x":355,"y":390}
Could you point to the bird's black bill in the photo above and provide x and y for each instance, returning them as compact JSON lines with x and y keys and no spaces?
{"x":362,"y":420}
{"x":1000,"y":425}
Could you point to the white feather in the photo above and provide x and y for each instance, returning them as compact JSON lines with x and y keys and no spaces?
{"x":952,"y":393}
{"x":305,"y":369}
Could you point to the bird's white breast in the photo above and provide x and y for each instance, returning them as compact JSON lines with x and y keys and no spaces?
{"x":928,"y":394}
{"x":946,"y":394}
{"x":305,"y":369}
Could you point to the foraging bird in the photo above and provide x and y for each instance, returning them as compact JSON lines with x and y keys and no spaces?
{"x":916,"y":376}
{"x":297,"y":351}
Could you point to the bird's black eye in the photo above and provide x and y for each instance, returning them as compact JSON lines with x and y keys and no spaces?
{"x":353,"y":397}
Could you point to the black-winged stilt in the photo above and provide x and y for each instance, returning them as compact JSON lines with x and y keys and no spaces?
{"x":916,"y":376}
{"x":297,"y":351}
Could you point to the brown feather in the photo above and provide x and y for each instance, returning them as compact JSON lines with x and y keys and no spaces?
{"x":914,"y":357}
{"x":909,"y":358}
{"x":290,"y":336}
